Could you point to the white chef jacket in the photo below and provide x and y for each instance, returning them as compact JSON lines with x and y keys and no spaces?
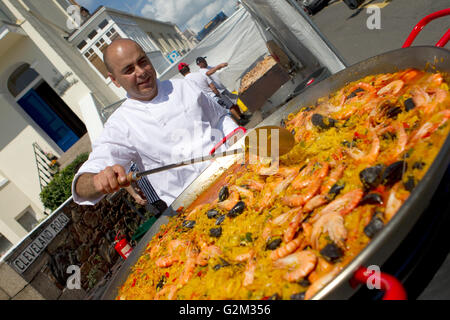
{"x":214,"y":77}
{"x":180,"y":123}
{"x":202,"y":81}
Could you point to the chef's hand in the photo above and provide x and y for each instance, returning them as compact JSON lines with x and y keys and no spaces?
{"x":110,"y":179}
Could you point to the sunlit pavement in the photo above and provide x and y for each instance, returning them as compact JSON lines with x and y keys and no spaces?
{"x":347,"y":29}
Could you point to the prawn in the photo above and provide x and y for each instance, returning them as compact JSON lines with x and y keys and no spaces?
{"x":306,"y":261}
{"x":331,"y":223}
{"x":371,"y":155}
{"x":229,"y":203}
{"x":342,"y":205}
{"x":393,"y":88}
{"x":318,"y":284}
{"x":393,"y":203}
{"x":166,"y":261}
{"x":207,"y":253}
{"x":286,"y":249}
{"x":293,"y":226}
{"x":335,"y":175}
{"x":428,"y":128}
{"x":249,"y":273}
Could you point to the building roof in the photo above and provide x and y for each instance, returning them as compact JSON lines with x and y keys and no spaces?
{"x":100,"y":10}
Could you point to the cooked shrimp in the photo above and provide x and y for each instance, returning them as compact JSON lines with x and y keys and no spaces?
{"x":229,"y":203}
{"x":393,"y":88}
{"x":306,"y":263}
{"x":172,"y":289}
{"x":249,"y":273}
{"x":190,"y":265}
{"x":284,"y":217}
{"x":335,"y":175}
{"x":371,"y":155}
{"x":244,"y":256}
{"x":254,"y":185}
{"x":393,"y":203}
{"x":166,"y":261}
{"x":207,"y":253}
{"x":286,"y":249}
{"x":317,"y":285}
{"x":154,"y":250}
{"x":293,"y":226}
{"x":428,"y":128}
{"x":331,"y":223}
{"x":302,"y":179}
{"x":245,"y":194}
{"x":268,"y":195}
{"x":343,"y":204}
{"x":420,"y":97}
{"x":315,"y":202}
{"x":195,"y":211}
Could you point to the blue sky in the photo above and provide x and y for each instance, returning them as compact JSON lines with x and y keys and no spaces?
{"x":193,"y":14}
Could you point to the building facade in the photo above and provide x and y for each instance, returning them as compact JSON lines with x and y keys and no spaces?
{"x":53,"y":89}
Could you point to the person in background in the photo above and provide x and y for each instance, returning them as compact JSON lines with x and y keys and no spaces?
{"x":205,"y":84}
{"x":210,"y":71}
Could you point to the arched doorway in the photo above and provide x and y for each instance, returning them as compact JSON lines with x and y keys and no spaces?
{"x":45,"y":107}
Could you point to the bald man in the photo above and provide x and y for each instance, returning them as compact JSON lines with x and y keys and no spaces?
{"x":159,"y":123}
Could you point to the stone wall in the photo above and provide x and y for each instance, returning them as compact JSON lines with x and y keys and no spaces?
{"x":86,"y":241}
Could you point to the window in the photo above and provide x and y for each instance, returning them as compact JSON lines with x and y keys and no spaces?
{"x":21,"y":78}
{"x":92,"y":34}
{"x":4,"y":245}
{"x":103,"y":24}
{"x":27,"y":220}
{"x":81,"y":45}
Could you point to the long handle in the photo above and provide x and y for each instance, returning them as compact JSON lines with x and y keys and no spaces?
{"x":225,"y":139}
{"x":393,"y":289}
{"x":422,"y":23}
{"x":135,"y":176}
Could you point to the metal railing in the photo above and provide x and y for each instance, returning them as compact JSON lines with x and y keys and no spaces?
{"x":46,"y":168}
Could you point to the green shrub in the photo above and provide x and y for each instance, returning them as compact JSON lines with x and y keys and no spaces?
{"x":59,"y":189}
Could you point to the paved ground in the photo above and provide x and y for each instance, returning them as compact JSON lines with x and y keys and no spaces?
{"x":348,"y":32}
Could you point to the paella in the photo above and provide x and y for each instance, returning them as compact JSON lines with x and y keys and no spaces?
{"x":283,"y":228}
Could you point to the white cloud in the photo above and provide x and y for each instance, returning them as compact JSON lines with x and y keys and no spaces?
{"x":193,"y":14}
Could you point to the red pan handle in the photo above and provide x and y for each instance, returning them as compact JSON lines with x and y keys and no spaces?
{"x":232,"y":133}
{"x":422,"y":23}
{"x":393,"y":289}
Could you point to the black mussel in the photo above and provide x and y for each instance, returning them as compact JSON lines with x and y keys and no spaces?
{"x":375,"y":225}
{"x":215,"y":232}
{"x":353,"y":94}
{"x":409,"y":104}
{"x":298,"y":296}
{"x":223,"y":263}
{"x":188,"y":224}
{"x":220,"y":219}
{"x":283,"y":123}
{"x":273,"y":244}
{"x":161,"y":282}
{"x":388,"y":136}
{"x":223,"y":193}
{"x":410,"y":184}
{"x":347,"y":144}
{"x":275,"y":296}
{"x":237,"y":209}
{"x":393,"y":173}
{"x":419,"y":165}
{"x":331,"y":252}
{"x":322,"y":122}
{"x":335,"y":190}
{"x":212,"y":213}
{"x":293,"y":131}
{"x":371,"y":198}
{"x":393,"y":112}
{"x":304,"y":282}
{"x":371,"y":177}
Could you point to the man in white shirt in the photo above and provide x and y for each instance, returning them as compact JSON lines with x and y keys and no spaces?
{"x":210,"y":71}
{"x":160,"y":123}
{"x":208,"y":87}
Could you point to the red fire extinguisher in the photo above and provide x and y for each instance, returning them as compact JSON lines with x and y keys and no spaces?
{"x":122,"y":246}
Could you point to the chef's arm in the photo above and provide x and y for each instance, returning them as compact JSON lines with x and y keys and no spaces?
{"x":214,"y":89}
{"x":216,"y":68}
{"x":94,"y":185}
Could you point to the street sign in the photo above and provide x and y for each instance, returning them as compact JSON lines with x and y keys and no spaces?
{"x":173,"y":56}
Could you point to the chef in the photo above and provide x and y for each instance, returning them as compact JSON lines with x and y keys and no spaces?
{"x":160,"y":122}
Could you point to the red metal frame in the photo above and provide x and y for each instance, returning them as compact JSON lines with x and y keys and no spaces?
{"x":393,"y":289}
{"x":217,"y":146}
{"x":422,"y":23}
